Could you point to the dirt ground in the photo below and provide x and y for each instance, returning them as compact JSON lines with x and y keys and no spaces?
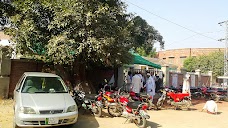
{"x":166,"y":118}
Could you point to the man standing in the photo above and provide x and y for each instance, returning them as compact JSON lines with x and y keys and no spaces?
{"x":186,"y":84}
{"x":128,"y":82}
{"x":136,"y":83}
{"x":211,"y":107}
{"x":150,"y":86}
{"x":158,"y":84}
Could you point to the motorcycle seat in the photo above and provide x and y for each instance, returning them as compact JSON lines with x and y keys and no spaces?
{"x":91,"y":96}
{"x":134,"y":105}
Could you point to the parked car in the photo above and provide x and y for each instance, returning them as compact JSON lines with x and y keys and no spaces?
{"x":42,"y":100}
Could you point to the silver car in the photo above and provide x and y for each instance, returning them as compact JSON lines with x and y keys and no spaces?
{"x":42,"y":100}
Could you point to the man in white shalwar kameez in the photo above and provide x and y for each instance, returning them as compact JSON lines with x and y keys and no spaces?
{"x":186,"y":84}
{"x":150,"y":86}
{"x":136,"y":83}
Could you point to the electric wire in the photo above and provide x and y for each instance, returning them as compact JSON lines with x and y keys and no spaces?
{"x":170,"y":21}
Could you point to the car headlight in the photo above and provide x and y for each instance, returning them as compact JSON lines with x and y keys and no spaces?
{"x":27,"y":110}
{"x":72,"y":108}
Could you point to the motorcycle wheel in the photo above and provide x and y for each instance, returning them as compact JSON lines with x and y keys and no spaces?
{"x":215,"y":97}
{"x":97,"y":111}
{"x":115,"y":111}
{"x":188,"y":104}
{"x":160,"y":104}
{"x":196,"y":96}
{"x":152,"y":105}
{"x":79,"y":104}
{"x":140,"y":122}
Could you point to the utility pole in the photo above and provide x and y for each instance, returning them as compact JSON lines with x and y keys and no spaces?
{"x":225,"y":50}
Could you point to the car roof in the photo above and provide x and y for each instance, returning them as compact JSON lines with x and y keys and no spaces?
{"x":42,"y":74}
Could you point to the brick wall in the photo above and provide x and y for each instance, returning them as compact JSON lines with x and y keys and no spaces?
{"x":205,"y":79}
{"x":177,"y":56}
{"x":179,"y":78}
{"x":18,"y":67}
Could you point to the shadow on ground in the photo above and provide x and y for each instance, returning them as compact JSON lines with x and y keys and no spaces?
{"x":85,"y":120}
{"x":218,"y":113}
{"x":198,"y":101}
{"x":153,"y":125}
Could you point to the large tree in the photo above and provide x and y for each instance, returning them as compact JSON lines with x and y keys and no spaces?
{"x":6,"y":10}
{"x":72,"y":30}
{"x":73,"y":33}
{"x":212,"y":62}
{"x":144,"y":36}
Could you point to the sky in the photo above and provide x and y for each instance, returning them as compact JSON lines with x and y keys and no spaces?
{"x":184,"y":23}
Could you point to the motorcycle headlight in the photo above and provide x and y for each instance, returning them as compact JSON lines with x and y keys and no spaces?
{"x":27,"y":110}
{"x":72,"y":108}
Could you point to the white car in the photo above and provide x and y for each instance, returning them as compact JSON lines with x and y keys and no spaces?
{"x":42,"y":100}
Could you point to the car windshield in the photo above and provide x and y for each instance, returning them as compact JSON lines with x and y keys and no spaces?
{"x":34,"y":84}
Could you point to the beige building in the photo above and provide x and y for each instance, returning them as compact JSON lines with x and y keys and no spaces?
{"x":177,"y":56}
{"x":3,"y":36}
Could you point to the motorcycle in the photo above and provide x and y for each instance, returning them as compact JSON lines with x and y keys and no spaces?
{"x":196,"y":93}
{"x":143,"y":98}
{"x":108,"y":96}
{"x":178,"y":100}
{"x":88,"y":102}
{"x":135,"y":111}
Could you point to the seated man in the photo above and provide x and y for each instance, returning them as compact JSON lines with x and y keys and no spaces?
{"x":211,"y":107}
{"x":29,"y":87}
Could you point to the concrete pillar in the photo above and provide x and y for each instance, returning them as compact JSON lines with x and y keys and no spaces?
{"x":198,"y":72}
{"x":5,"y":68}
{"x":4,"y":87}
{"x":210,"y":73}
{"x":165,"y":70}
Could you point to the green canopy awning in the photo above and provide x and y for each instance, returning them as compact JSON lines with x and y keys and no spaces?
{"x":140,"y":60}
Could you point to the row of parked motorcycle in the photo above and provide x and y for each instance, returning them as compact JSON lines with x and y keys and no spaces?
{"x":128,"y":104}
{"x":216,"y":93}
{"x":115,"y":103}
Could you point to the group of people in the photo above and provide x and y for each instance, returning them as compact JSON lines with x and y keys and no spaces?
{"x":147,"y":81}
{"x":210,"y":106}
{"x":152,"y":83}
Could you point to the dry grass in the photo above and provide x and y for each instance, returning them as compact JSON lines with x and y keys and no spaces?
{"x":6,"y":113}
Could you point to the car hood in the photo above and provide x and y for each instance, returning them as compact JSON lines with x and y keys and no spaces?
{"x":47,"y":101}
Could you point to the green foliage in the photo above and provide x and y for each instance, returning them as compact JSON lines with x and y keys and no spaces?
{"x":5,"y":51}
{"x":212,"y":62}
{"x":86,"y":31}
{"x":144,"y":36}
{"x":141,"y":51}
{"x":189,"y":64}
{"x":6,"y":10}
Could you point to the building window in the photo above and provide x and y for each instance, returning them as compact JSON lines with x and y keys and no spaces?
{"x":164,"y":58}
{"x":182,"y":58}
{"x":171,"y":60}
